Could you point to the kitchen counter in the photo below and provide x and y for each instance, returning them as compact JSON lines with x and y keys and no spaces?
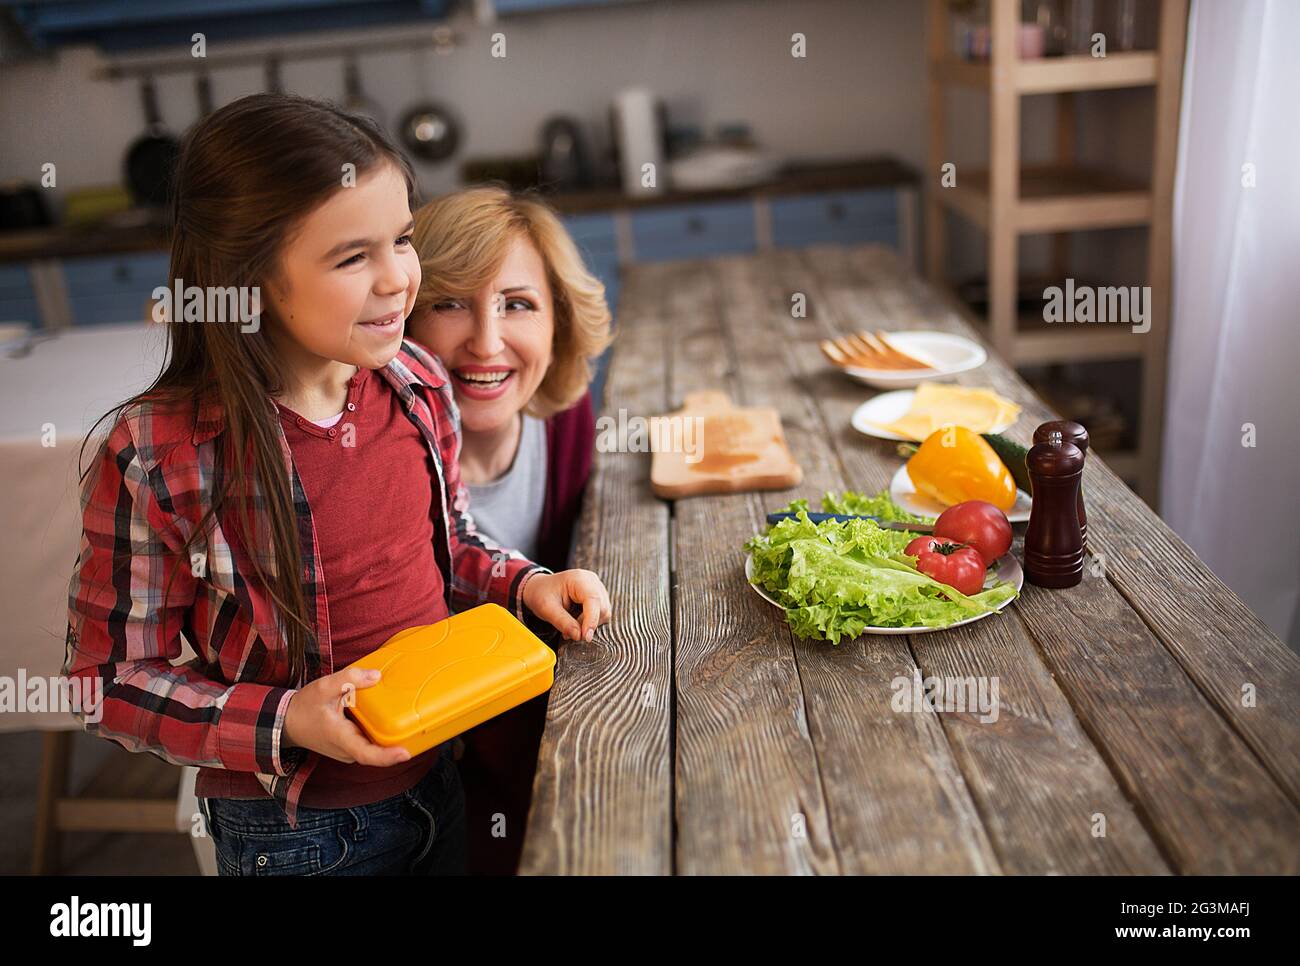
{"x":135,"y":231}
{"x":139,"y":231}
{"x":794,"y":179}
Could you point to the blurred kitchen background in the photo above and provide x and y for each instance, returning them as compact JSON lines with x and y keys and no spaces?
{"x":759,"y":147}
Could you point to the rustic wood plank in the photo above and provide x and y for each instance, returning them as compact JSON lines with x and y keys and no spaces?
{"x":1212,"y":805}
{"x":602,"y":795}
{"x":1218,"y":640}
{"x":897,"y":799}
{"x":1146,"y":703}
{"x":748,"y":790}
{"x":1036,"y":778}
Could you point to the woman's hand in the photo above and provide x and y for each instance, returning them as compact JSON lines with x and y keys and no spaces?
{"x":549,"y":596}
{"x":315,"y":720}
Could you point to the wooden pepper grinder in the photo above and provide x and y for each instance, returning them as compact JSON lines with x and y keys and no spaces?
{"x":1054,"y":542}
{"x":1071,"y":432}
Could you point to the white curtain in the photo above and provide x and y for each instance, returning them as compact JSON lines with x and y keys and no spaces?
{"x":1234,"y":355}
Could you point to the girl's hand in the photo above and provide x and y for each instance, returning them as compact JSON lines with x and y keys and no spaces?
{"x":315,"y":720}
{"x":549,"y":596}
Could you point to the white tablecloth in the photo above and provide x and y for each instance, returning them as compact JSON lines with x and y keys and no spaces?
{"x":65,"y":383}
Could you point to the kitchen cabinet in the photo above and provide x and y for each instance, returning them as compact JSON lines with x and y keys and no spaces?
{"x":596,"y":236}
{"x":116,"y":274}
{"x":593,"y":233}
{"x":693,"y":231}
{"x":114,"y":288}
{"x":836,"y":217}
{"x":18,"y":296}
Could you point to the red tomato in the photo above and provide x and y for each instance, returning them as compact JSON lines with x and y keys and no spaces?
{"x":978,"y":524}
{"x":954,"y":564}
{"x":922,"y":545}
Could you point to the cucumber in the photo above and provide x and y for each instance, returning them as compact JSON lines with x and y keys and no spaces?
{"x":1012,"y":456}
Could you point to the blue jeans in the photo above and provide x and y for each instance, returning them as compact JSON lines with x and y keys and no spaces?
{"x":420,"y":831}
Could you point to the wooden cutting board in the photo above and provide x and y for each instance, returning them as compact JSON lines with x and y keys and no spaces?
{"x":711,"y":446}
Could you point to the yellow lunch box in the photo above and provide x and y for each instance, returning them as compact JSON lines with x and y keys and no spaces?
{"x":442,"y":679}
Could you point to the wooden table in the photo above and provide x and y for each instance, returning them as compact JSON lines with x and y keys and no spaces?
{"x":696,"y":734}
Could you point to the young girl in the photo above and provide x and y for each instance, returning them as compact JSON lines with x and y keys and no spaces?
{"x":287,"y":496}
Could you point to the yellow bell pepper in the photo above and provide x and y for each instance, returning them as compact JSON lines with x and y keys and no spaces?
{"x":954,"y":465}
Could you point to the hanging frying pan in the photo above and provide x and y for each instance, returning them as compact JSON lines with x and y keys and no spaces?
{"x":429,"y":130}
{"x":354,"y":99}
{"x":274,"y":83}
{"x":152,"y":156}
{"x":203,"y":94}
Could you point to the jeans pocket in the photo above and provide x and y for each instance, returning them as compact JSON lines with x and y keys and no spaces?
{"x":316,"y":853}
{"x":272,"y":856}
{"x":254,"y":849}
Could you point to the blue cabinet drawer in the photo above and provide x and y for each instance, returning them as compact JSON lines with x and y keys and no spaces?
{"x":605,"y":268}
{"x":15,"y":282}
{"x":116,"y":274}
{"x":597,"y":239}
{"x":693,"y":231}
{"x":593,"y":234}
{"x":20,"y":310}
{"x":109,"y":308}
{"x":835,"y":217}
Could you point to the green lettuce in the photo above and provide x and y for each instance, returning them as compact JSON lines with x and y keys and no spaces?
{"x":860,"y":504}
{"x":836,"y":579}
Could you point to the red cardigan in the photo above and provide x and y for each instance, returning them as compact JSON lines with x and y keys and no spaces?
{"x":500,"y":755}
{"x":570,"y":442}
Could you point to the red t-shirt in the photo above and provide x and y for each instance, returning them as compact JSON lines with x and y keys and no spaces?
{"x":369,"y":481}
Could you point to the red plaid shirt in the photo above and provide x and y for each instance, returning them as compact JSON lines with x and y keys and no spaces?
{"x":151,"y":483}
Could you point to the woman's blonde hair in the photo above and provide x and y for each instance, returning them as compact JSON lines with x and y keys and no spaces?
{"x":462,"y":239}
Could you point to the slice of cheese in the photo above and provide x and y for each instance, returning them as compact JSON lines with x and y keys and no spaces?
{"x":935,"y":406}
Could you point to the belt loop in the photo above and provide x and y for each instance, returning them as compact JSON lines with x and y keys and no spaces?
{"x":208,"y":829}
{"x":360,"y":822}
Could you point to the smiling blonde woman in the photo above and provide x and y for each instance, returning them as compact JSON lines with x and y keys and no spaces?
{"x":509,"y":306}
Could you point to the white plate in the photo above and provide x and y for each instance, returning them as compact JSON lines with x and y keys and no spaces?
{"x":948,"y":354}
{"x":903,"y":492}
{"x":1008,"y":569}
{"x":889,"y":407}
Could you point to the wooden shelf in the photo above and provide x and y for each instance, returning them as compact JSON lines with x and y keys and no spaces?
{"x":1136,"y":68}
{"x":1055,"y":197}
{"x":1011,"y":199}
{"x":1036,"y":343}
{"x":1054,"y":75}
{"x":1065,"y":342}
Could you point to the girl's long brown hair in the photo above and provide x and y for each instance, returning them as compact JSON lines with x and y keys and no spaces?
{"x":246,"y":177}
